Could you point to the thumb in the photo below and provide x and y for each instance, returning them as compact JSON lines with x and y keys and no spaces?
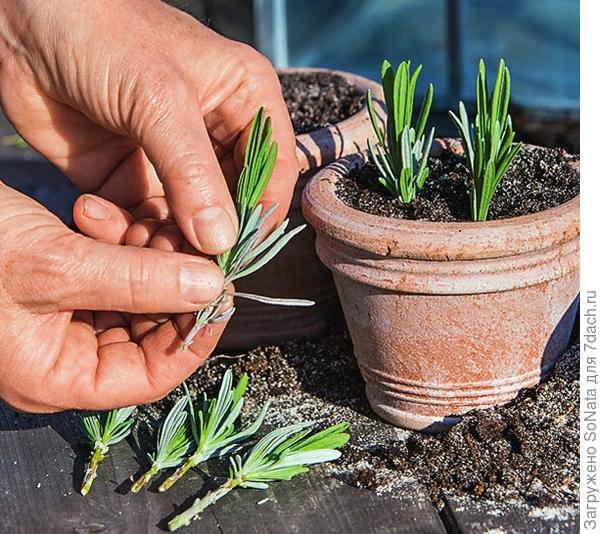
{"x":73,"y":272}
{"x":180,"y":148}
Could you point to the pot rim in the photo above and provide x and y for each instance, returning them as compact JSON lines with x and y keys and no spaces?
{"x":308,"y":144}
{"x":430,"y":240}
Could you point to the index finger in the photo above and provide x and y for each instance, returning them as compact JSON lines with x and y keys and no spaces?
{"x":235,"y":114}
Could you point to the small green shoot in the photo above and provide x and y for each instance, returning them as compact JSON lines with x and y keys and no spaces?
{"x":402,"y":152}
{"x":100,"y":432}
{"x":488,"y":144}
{"x":280,"y":455}
{"x":253,"y":250}
{"x":173,"y":441}
{"x":215,"y":428}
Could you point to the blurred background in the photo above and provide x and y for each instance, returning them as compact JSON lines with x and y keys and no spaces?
{"x":539,"y":39}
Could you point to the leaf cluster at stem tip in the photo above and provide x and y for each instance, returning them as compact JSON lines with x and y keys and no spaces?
{"x":488,"y":144}
{"x":401,"y":153}
{"x":108,"y":428}
{"x":286,"y":452}
{"x":190,"y":435}
{"x":253,"y":250}
{"x":215,"y":427}
{"x":100,"y":432}
{"x":173,"y":441}
{"x":280,"y":455}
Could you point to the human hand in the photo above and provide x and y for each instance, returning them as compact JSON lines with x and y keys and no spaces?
{"x":136,"y":101}
{"x":53,"y":357}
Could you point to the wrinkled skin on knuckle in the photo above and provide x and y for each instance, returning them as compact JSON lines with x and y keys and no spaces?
{"x":253,"y":60}
{"x":139,"y":273}
{"x":260,"y":78}
{"x":33,"y":272}
{"x":149,"y":97}
{"x":187,"y":170}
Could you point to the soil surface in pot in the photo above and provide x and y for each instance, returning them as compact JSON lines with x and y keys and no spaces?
{"x":525,"y":453}
{"x":319,"y":99}
{"x":538,"y":179}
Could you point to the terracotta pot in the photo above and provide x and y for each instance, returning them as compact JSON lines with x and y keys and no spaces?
{"x":448,"y":317}
{"x":297,"y":272}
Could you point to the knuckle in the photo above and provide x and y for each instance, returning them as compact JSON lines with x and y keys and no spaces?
{"x":247,"y":53}
{"x":139,"y":278}
{"x":265,"y":75}
{"x":257,"y":66}
{"x":152,"y":96}
{"x":261,"y":63}
{"x":33,"y":275}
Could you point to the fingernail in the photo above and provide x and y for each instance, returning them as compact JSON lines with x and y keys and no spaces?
{"x":200,"y":284}
{"x":95,"y":210}
{"x":215,"y":231}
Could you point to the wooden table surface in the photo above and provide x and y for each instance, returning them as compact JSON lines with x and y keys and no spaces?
{"x":42,"y":463}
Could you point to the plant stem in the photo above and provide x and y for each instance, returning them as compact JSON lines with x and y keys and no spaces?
{"x":92,"y":468}
{"x":179,"y":472}
{"x":200,"y":504}
{"x":144,"y":479}
{"x":205,"y":317}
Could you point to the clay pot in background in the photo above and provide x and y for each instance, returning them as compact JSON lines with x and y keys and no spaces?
{"x":297,"y":272}
{"x":448,"y":317}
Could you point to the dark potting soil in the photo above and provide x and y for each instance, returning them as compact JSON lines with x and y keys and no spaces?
{"x":319,"y":99}
{"x":538,"y":179}
{"x":528,"y":450}
{"x":526,"y":453}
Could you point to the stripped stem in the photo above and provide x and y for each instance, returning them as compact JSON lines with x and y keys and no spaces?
{"x":92,"y":469}
{"x":200,"y":504}
{"x":144,"y":479}
{"x":192,"y":461}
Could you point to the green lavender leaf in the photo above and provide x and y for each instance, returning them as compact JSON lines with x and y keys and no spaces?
{"x":260,"y":262}
{"x":401,"y":156}
{"x":108,"y":428}
{"x":280,"y":455}
{"x":374,"y":121}
{"x":217,"y":430}
{"x":488,"y":143}
{"x":275,"y":301}
{"x":174,"y":437}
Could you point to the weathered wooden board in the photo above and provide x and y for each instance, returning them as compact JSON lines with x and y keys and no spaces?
{"x":41,"y":466}
{"x":465,"y":516}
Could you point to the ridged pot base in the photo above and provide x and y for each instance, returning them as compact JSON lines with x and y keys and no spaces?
{"x":409,"y":419}
{"x":405,"y":405}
